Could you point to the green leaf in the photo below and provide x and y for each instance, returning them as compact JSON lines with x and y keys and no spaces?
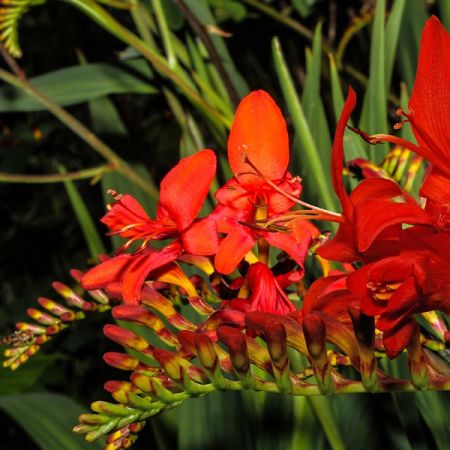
{"x":303,"y":7}
{"x":433,"y":407}
{"x":78,"y":84}
{"x":392,"y":33}
{"x":374,"y":111}
{"x":211,"y":422}
{"x":321,"y":407}
{"x":354,"y":146}
{"x":48,"y":419}
{"x":315,"y":167}
{"x":444,"y":12}
{"x":414,"y":18}
{"x":201,"y":10}
{"x":312,"y":101}
{"x":14,"y":382}
{"x":84,"y":218}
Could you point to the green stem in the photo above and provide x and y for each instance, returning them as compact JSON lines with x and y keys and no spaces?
{"x":80,"y":130}
{"x":94,"y":173}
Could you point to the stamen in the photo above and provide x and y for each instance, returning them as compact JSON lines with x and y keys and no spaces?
{"x":380,"y":138}
{"x":335,"y":217}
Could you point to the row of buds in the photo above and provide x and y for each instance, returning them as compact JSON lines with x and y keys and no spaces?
{"x":29,"y":337}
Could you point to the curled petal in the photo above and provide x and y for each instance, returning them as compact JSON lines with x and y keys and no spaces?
{"x":337,"y":160}
{"x":185,"y":187}
{"x":259,"y":132}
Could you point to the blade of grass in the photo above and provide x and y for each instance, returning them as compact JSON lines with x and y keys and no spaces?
{"x":393,"y":25}
{"x":90,"y":233}
{"x":165,"y":33}
{"x":444,"y":12}
{"x":202,"y":11}
{"x":374,"y":110}
{"x":354,"y":147}
{"x":414,"y":18}
{"x":321,"y":407}
{"x":312,"y":101}
{"x":308,"y":146}
{"x":48,"y":420}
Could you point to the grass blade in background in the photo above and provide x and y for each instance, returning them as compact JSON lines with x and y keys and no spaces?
{"x":87,"y":81}
{"x":374,"y":111}
{"x":85,"y":220}
{"x":312,"y":100}
{"x":321,"y":407}
{"x":434,"y":407}
{"x":48,"y":419}
{"x":414,"y":18}
{"x":315,"y":168}
{"x":444,"y":9}
{"x":353,"y":144}
{"x":392,"y":33}
{"x":201,"y":10}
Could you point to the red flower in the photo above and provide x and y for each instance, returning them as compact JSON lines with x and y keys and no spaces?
{"x":265,"y":294}
{"x":429,"y":109}
{"x":183,"y":191}
{"x":429,"y":117}
{"x":397,"y":287}
{"x":258,"y":151}
{"x":374,"y":211}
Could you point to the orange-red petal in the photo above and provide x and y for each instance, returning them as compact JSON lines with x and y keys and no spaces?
{"x":185,"y":187}
{"x":232,"y":249}
{"x":430,"y":97}
{"x":259,"y":132}
{"x":201,"y":238}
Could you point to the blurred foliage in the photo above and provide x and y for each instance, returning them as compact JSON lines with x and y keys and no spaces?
{"x":160,"y":92}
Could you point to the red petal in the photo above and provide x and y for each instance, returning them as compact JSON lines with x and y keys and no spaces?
{"x":141,"y":266}
{"x":296,"y":243}
{"x":278,"y":203}
{"x":125,"y":212}
{"x":430,"y":97}
{"x":258,"y":131}
{"x":201,"y":238}
{"x":436,"y":189}
{"x":342,"y":247}
{"x":266,"y":294}
{"x":185,"y":187}
{"x":337,"y":160}
{"x":232,"y":194}
{"x":373,"y":217}
{"x":232,"y":249}
{"x":398,"y":338}
{"x":112,"y":270}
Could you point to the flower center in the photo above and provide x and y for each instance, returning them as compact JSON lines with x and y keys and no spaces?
{"x":382,"y":291}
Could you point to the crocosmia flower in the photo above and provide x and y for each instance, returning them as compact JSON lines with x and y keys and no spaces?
{"x":183,"y":191}
{"x":262,"y":188}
